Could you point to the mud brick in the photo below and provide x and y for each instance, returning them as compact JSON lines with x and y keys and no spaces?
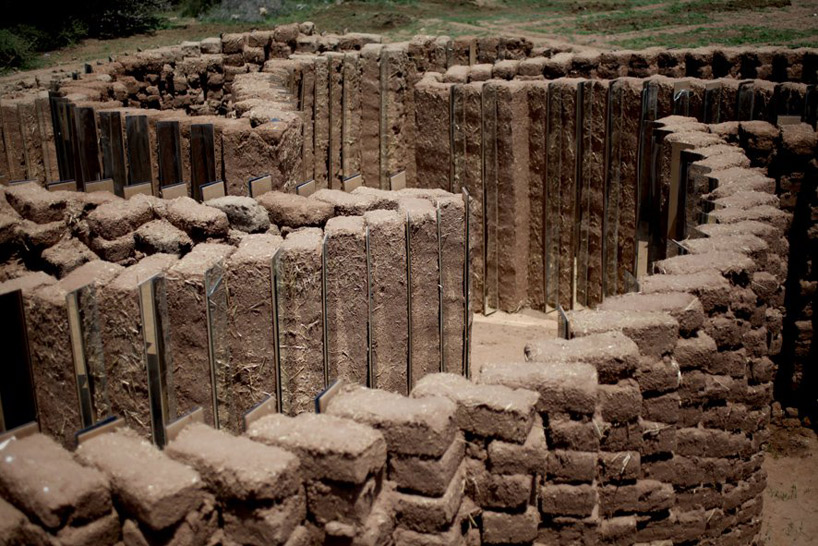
{"x":657,"y":438}
{"x":427,"y":476}
{"x":491,"y":411}
{"x":66,"y":256}
{"x":562,"y":387}
{"x":568,"y":500}
{"x":52,"y":366}
{"x":148,"y":484}
{"x":704,"y":497}
{"x":349,"y":204}
{"x":300,"y":320}
{"x":691,"y":391}
{"x":328,"y":447}
{"x":35,"y":203}
{"x":423,"y":257}
{"x":347,"y":298}
{"x":117,"y":218}
{"x":342,"y":502}
{"x":295,"y":211}
{"x":512,"y":458}
{"x":695,"y":352}
{"x":197,"y":220}
{"x":685,"y":308}
{"x":453,"y":255}
{"x":618,"y":467}
{"x":761,"y":370}
{"x":643,"y":496}
{"x":380,"y":524}
{"x":612,"y":353}
{"x":432,"y":116}
{"x":453,"y":536}
{"x":495,"y":490}
{"x":189,"y":345}
{"x":249,"y":281}
{"x":198,"y":526}
{"x":564,"y":433}
{"x":656,"y":531}
{"x":658,"y":376}
{"x":710,"y":287}
{"x":105,"y":530}
{"x":262,"y":524}
{"x":692,"y":442}
{"x":571,"y":466}
{"x":513,"y":208}
{"x":569,"y":530}
{"x":621,"y":402}
{"x":617,"y":530}
{"x":387,"y":232}
{"x":623,"y":437}
{"x":655,"y":333}
{"x":46,"y":483}
{"x":236,"y":467}
{"x":756,"y":396}
{"x":504,"y":528}
{"x":688,"y":471}
{"x":732,"y":265}
{"x":690,"y":416}
{"x":429,"y":514}
{"x":423,"y":426}
{"x":764,"y":213}
{"x":15,"y":528}
{"x":735,"y":495}
{"x":726,"y":331}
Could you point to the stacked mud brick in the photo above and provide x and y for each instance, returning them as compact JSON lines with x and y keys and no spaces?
{"x":214,"y":296}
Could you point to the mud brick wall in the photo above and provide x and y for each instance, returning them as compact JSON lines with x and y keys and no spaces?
{"x":788,"y":154}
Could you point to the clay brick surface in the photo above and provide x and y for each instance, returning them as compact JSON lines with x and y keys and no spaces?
{"x":248,"y":273}
{"x":152,"y":487}
{"x":568,"y":500}
{"x":502,"y":528}
{"x":429,"y":514}
{"x":654,"y":332}
{"x":347,"y":299}
{"x":328,"y":447}
{"x":47,"y":483}
{"x":121,"y":332}
{"x":424,"y":307}
{"x":484,"y":410}
{"x":453,"y":255}
{"x":235,"y":467}
{"x":685,"y":308}
{"x":612,"y":353}
{"x":562,"y":387}
{"x":427,"y":476}
{"x":390,"y":329}
{"x":291,"y":210}
{"x":513,"y":458}
{"x":187,"y":314}
{"x":423,"y":426}
{"x":300,"y":316}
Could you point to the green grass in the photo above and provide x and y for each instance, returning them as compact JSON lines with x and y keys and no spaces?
{"x":737,"y":35}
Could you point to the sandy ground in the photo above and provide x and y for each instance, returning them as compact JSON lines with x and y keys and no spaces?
{"x":790,"y":516}
{"x":791,"y":499}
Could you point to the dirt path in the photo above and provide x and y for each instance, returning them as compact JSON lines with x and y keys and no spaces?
{"x":790,"y":516}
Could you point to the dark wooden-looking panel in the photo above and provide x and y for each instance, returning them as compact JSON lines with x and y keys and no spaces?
{"x":113,"y":149}
{"x":169,"y":152}
{"x":60,"y":116}
{"x":87,"y":145}
{"x":17,"y":401}
{"x":202,"y":156}
{"x":139,"y":150}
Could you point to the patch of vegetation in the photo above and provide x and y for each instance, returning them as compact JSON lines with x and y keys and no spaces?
{"x":28,"y":28}
{"x":736,"y":35}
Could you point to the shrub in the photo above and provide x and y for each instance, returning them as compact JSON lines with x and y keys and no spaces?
{"x":15,"y":51}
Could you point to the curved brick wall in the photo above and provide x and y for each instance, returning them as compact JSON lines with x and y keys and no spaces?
{"x":646,"y":423}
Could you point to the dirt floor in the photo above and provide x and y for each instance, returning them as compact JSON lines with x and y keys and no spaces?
{"x":791,"y":500}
